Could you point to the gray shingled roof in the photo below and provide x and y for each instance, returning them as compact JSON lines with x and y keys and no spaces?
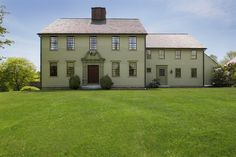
{"x":165,"y":40}
{"x":85,"y":26}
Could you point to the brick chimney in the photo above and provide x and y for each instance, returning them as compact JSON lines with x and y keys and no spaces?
{"x":98,"y":14}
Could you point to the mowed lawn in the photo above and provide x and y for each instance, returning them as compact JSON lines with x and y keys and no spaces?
{"x":119,"y":123}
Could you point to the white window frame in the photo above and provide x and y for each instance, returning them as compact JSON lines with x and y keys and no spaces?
{"x":93,"y":43}
{"x":70,"y":43}
{"x":53,"y":43}
{"x":115,"y":43}
{"x":132,"y":43}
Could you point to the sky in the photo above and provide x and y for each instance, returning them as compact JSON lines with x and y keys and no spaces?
{"x":212,"y":22}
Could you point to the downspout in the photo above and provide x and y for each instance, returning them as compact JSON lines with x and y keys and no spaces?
{"x":203,"y":58}
{"x":40,"y":62}
{"x":145,"y":62}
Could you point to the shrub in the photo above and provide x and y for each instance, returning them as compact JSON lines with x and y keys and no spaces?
{"x":74,"y":82}
{"x":106,"y":82}
{"x":224,"y":76}
{"x":154,"y":84}
{"x":4,"y":87}
{"x":29,"y":88}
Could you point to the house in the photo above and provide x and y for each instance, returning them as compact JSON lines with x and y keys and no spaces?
{"x":96,"y":46}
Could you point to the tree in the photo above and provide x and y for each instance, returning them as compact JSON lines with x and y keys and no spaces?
{"x":3,"y":30}
{"x":214,"y":57}
{"x":229,"y":55}
{"x":16,"y":73}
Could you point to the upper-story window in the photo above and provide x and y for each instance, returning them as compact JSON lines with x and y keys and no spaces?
{"x":70,"y":43}
{"x":93,"y":43}
{"x":53,"y":43}
{"x":161,"y":54}
{"x":115,"y":42}
{"x":194,"y":54}
{"x":149,"y":54}
{"x":132,"y":43}
{"x":177,"y":54}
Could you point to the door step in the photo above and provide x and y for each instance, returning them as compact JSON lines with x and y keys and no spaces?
{"x":91,"y":87}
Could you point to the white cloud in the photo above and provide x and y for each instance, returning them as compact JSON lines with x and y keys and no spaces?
{"x":203,"y":8}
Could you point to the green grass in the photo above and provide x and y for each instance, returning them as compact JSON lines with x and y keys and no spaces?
{"x":119,"y":123}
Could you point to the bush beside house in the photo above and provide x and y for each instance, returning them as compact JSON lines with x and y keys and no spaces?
{"x":74,"y":82}
{"x":224,"y":76}
{"x":106,"y":82}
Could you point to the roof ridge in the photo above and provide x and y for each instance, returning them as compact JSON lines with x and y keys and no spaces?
{"x":106,"y":18}
{"x":168,"y":34}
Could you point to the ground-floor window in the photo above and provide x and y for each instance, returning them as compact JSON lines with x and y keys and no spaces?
{"x":132,"y":68}
{"x":149,"y":70}
{"x":115,"y":69}
{"x":53,"y":68}
{"x":194,"y":72}
{"x":70,"y":68}
{"x":177,"y":72}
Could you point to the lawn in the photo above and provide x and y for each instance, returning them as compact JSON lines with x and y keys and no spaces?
{"x":119,"y":123}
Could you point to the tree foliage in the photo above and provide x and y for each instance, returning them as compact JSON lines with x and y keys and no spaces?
{"x":229,"y":55}
{"x":3,"y":30}
{"x":224,"y":76}
{"x":16,"y":73}
{"x":214,"y":57}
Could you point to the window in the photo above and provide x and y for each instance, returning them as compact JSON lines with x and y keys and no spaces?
{"x":194,"y":54}
{"x":132,"y":43}
{"x":162,"y":72}
{"x":132,"y":68}
{"x":149,"y":54}
{"x":161,"y":54}
{"x":53,"y":43}
{"x":177,"y":72}
{"x":70,"y":43}
{"x":115,"y":69}
{"x":149,"y":70}
{"x":177,"y":54}
{"x":93,"y":43}
{"x":70,"y":68}
{"x":53,"y":68}
{"x":194,"y":72}
{"x":115,"y":43}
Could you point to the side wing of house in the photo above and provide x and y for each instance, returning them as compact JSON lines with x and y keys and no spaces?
{"x":209,"y":65}
{"x":175,"y":60}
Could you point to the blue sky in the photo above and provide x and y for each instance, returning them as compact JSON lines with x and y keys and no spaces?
{"x":212,"y":22}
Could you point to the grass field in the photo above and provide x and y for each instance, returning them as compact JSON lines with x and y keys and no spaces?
{"x":119,"y":123}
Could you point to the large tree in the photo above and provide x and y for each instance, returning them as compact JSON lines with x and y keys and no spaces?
{"x":16,"y":73}
{"x":214,"y":57}
{"x":3,"y":30}
{"x":229,"y":55}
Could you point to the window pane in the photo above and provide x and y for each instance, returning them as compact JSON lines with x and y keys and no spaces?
{"x":115,"y":69}
{"x":70,"y":43}
{"x":178,"y":72}
{"x":70,"y":69}
{"x":132,"y":43}
{"x":194,"y":54}
{"x":162,"y":72}
{"x":93,"y":43}
{"x":194,"y":72}
{"x":115,"y":43}
{"x":178,"y":54}
{"x":53,"y":69}
{"x":149,"y":70}
{"x":53,"y":43}
{"x":149,"y":54}
{"x":132,"y":69}
{"x":161,"y":54}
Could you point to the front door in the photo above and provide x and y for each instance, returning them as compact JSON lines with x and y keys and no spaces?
{"x":93,"y":74}
{"x":162,"y":74}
